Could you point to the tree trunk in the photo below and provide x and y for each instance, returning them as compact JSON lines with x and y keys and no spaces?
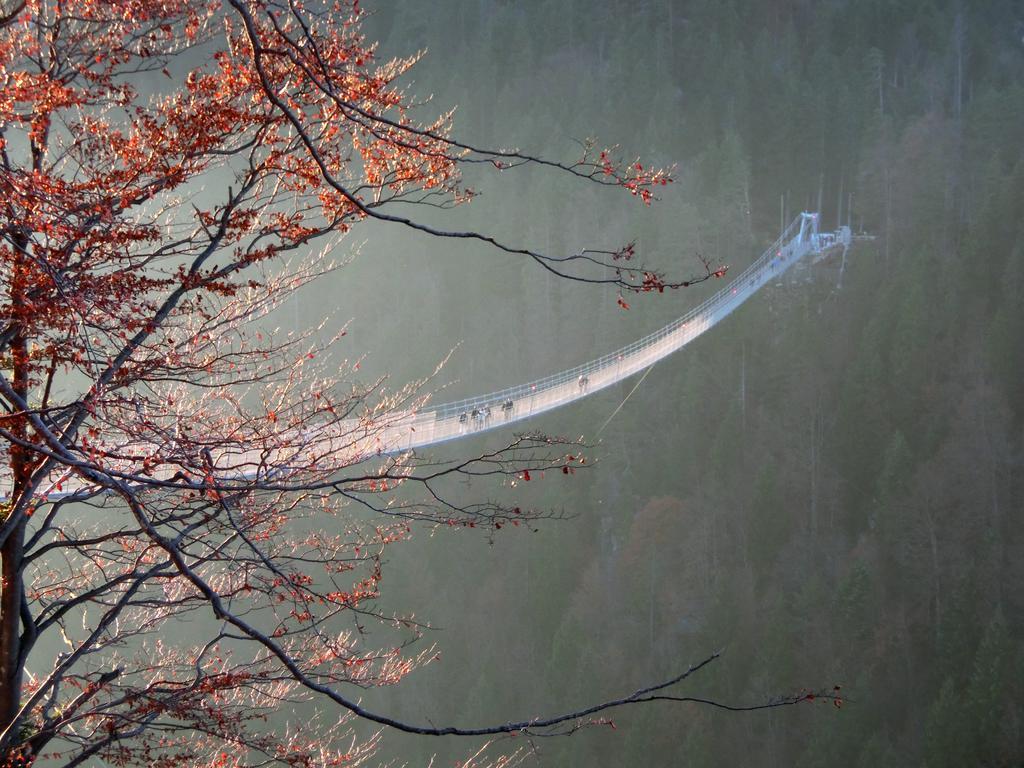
{"x":11,"y":590}
{"x":11,"y":553}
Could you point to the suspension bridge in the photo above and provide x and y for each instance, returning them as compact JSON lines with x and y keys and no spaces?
{"x":437,"y":424}
{"x":353,"y":440}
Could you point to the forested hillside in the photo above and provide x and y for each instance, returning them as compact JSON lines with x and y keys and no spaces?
{"x":829,"y":486}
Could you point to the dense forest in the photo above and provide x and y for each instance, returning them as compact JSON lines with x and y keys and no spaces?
{"x":828,"y":487}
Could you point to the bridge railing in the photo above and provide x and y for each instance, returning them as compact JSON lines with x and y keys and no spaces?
{"x":448,"y":421}
{"x":748,"y":280}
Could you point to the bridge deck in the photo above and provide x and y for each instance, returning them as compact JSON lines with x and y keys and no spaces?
{"x":449,"y":421}
{"x":353,"y":440}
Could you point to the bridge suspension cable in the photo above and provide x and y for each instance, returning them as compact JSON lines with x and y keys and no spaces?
{"x":448,"y":421}
{"x":357,"y":440}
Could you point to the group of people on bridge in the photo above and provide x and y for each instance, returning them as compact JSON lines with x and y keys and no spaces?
{"x":480,"y":416}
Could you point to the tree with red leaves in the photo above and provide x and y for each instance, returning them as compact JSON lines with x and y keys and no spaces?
{"x":158,"y":462}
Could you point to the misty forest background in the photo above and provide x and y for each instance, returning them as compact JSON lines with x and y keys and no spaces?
{"x":828,"y":486}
